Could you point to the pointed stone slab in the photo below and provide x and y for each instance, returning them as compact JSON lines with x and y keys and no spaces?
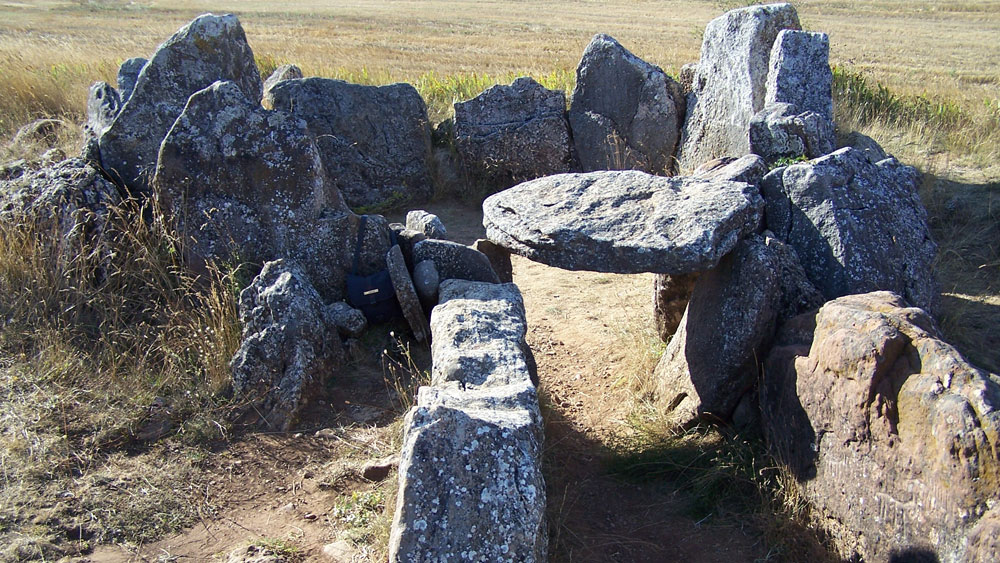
{"x":624,"y":222}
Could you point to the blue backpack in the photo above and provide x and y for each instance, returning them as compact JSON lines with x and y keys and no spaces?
{"x":374,"y":294}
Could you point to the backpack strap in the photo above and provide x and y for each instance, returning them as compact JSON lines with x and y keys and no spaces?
{"x":357,"y":250}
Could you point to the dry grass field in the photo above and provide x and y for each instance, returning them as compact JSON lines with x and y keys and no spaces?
{"x":79,"y":369}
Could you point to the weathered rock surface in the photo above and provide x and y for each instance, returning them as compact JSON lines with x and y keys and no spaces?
{"x":711,"y":361}
{"x":626,"y":113}
{"x":128,"y":75}
{"x":209,"y":49}
{"x":471,"y":486}
{"x":71,"y":200}
{"x":375,"y":141}
{"x":427,"y":223}
{"x":749,"y":168}
{"x":779,"y":131}
{"x":893,"y":436}
{"x":856,"y":225}
{"x":426,"y":281}
{"x":670,"y":298}
{"x":455,"y":261}
{"x":246,"y":182}
{"x":409,"y":302}
{"x":799,"y":73}
{"x":283,"y":72}
{"x":797,"y":294}
{"x":729,"y":83}
{"x":103,"y":104}
{"x":288,"y":349}
{"x":509,"y":134}
{"x":623,"y":221}
{"x":350,"y":322}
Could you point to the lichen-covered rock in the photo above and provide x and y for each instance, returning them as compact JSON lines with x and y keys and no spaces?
{"x":350,"y":322}
{"x":427,"y":223}
{"x":857,"y":225}
{"x":780,"y":131}
{"x":799,"y":73}
{"x":69,"y":200}
{"x":509,"y":134}
{"x":711,"y":361}
{"x":375,"y":141}
{"x":626,"y":113}
{"x":797,"y":295}
{"x":288,"y":351}
{"x":247,"y":183}
{"x":455,"y":261}
{"x":103,"y":105}
{"x":283,"y":72}
{"x":406,"y":294}
{"x":623,"y":221}
{"x":729,"y":84}
{"x":128,"y":74}
{"x":209,"y":49}
{"x":471,"y":486}
{"x":891,"y":433}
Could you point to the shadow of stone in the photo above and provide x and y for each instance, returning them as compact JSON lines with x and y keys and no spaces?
{"x":913,"y":555}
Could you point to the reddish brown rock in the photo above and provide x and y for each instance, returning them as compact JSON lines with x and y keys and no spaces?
{"x":892,"y":434}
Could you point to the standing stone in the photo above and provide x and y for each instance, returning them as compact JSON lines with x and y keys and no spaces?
{"x":711,"y":361}
{"x":670,"y":298}
{"x":623,"y":222}
{"x":246,"y":183}
{"x":409,"y":302}
{"x":103,"y":105}
{"x":626,"y":113}
{"x":288,"y":351}
{"x":375,"y":141}
{"x":509,"y":134}
{"x":729,"y":84}
{"x":427,"y":223}
{"x":208,"y":49}
{"x":779,"y":131}
{"x":891,"y":434}
{"x":128,"y":74}
{"x":283,"y":72}
{"x":857,"y":225}
{"x":455,"y":261}
{"x":799,"y":72}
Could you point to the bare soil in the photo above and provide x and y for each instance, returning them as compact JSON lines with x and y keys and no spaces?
{"x":290,"y":489}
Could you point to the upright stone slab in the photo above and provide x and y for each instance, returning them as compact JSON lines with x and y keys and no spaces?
{"x":624,"y":222}
{"x":375,"y":141}
{"x":208,"y":49}
{"x":626,"y":113}
{"x":246,"y":183}
{"x":729,"y":83}
{"x":470,"y":479}
{"x":711,"y":361}
{"x":799,"y":72}
{"x":857,"y":225}
{"x":128,"y":74}
{"x":509,"y":134}
{"x":891,"y":434}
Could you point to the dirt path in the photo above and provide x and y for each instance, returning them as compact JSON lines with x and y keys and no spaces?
{"x":287,"y":486}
